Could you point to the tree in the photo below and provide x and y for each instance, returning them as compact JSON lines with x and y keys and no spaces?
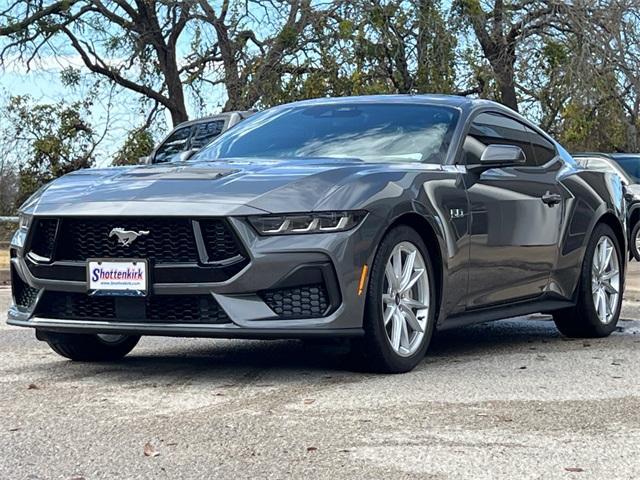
{"x":501,"y":28}
{"x":375,"y":46}
{"x":406,"y":47}
{"x":139,"y":143}
{"x":55,"y":139}
{"x":159,"y":48}
{"x":8,"y":167}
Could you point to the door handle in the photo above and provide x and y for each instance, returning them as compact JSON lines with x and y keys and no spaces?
{"x":551,"y":199}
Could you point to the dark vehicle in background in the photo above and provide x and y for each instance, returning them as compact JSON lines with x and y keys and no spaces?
{"x":189,"y":137}
{"x":378,"y":219}
{"x":627,"y":167}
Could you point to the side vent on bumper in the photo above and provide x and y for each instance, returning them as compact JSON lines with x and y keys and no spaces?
{"x":309,"y":301}
{"x":24,"y":295}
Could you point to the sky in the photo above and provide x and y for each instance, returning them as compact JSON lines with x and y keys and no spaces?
{"x":42,"y":82}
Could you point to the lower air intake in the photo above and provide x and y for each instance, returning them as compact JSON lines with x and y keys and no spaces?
{"x":310,"y":301}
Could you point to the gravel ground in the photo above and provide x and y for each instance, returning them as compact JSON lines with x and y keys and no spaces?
{"x":511,"y":399}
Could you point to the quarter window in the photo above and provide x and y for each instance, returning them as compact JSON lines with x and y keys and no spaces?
{"x":543,"y":149}
{"x":173,"y":145}
{"x":203,"y":133}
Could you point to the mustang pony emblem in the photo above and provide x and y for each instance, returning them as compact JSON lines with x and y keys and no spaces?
{"x":127,"y":237}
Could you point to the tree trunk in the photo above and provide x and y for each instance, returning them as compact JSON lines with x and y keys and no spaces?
{"x":507,"y":87}
{"x":502,"y":60}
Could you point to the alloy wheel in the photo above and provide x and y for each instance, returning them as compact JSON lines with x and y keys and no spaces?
{"x":605,"y":279}
{"x":405,"y":301}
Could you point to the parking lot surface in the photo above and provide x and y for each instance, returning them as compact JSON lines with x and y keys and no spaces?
{"x":510,"y":399}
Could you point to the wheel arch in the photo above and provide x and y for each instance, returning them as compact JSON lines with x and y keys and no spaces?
{"x":427,"y":232}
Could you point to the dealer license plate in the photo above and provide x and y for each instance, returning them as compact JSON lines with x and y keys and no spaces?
{"x":117,"y":277}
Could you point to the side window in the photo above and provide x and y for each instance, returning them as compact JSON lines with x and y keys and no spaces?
{"x":543,"y":150}
{"x":203,"y":133}
{"x":583,"y":162}
{"x":173,"y":145}
{"x":603,"y":165}
{"x":494,"y":128}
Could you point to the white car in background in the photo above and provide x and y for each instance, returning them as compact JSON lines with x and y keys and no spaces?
{"x":189,"y":137}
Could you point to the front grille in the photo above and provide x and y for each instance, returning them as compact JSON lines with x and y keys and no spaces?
{"x":23,"y":294}
{"x":169,"y":240}
{"x":44,"y":236}
{"x":298,"y":302}
{"x":76,"y":306}
{"x":219,"y":241}
{"x":155,"y":309}
{"x":185,"y":309}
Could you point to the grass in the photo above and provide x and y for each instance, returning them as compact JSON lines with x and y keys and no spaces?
{"x":6,"y":231}
{"x":4,"y":259}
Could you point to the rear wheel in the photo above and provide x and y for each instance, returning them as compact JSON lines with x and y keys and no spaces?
{"x":90,"y":348}
{"x":634,"y":241}
{"x":600,"y":291}
{"x":400,"y":305}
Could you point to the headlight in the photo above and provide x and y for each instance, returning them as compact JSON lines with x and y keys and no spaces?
{"x":24,"y":221}
{"x":297,"y":223}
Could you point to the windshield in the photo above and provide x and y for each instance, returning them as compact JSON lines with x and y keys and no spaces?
{"x":369,"y":132}
{"x":630,"y":164}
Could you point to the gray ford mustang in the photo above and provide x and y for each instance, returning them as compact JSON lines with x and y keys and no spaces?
{"x":376,"y":218}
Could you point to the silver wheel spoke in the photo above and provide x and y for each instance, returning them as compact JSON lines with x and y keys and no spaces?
{"x":396,"y":330}
{"x":407,"y":270}
{"x":404,"y":336}
{"x":388,"y":314}
{"x":391,"y":276}
{"x":609,"y":288}
{"x":397,"y":264}
{"x":411,"y":303}
{"x":411,"y":319}
{"x":596,"y":299}
{"x":388,"y":298}
{"x":405,"y":287}
{"x":602,"y":310}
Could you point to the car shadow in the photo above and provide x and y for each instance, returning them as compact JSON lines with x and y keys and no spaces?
{"x":247,"y":360}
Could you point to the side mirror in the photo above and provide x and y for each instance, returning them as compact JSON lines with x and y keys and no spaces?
{"x":145,"y":160}
{"x":496,"y":156}
{"x":187,"y":154}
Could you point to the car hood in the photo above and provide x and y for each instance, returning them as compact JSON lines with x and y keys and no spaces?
{"x":210,"y":188}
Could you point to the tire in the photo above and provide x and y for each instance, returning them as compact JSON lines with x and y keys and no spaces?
{"x":584,"y":320}
{"x":378,"y":353}
{"x":90,"y":348}
{"x":634,"y":241}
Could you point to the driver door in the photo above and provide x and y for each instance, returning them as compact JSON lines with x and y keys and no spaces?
{"x":516,"y":213}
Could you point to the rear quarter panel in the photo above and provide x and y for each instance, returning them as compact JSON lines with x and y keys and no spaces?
{"x":593,"y":196}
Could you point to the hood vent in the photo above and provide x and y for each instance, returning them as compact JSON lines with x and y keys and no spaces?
{"x":177,"y":173}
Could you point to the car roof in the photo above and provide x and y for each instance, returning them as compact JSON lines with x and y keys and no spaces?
{"x":620,"y":155}
{"x":606,"y":156}
{"x":218,"y":116}
{"x":433,"y":99}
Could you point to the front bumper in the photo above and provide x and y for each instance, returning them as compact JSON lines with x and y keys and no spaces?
{"x":273,"y":262}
